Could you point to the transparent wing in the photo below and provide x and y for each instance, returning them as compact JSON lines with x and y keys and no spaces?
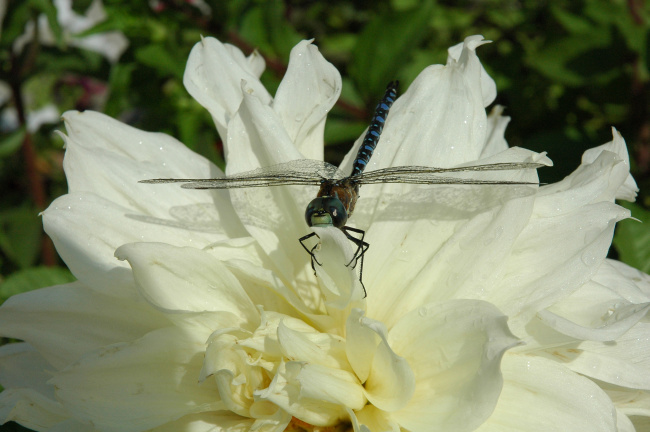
{"x":296,"y":172}
{"x":432,"y":175}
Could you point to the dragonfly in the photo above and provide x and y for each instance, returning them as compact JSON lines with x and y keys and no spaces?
{"x":338,"y":194}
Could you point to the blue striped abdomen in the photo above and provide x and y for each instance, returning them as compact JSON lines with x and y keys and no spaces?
{"x":374,"y":131}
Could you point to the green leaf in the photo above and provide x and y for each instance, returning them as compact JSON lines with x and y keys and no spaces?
{"x":576,"y":24}
{"x":632,"y":239}
{"x":17,"y":15}
{"x":343,"y":131}
{"x":386,"y":44}
{"x":33,"y":278}
{"x":9,"y":144}
{"x":20,"y":235}
{"x":266,"y":28}
{"x":159,"y":58}
{"x":47,"y":8}
{"x":580,"y":60}
{"x":281,"y":33}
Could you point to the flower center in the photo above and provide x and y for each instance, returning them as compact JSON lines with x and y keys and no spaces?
{"x":300,"y":426}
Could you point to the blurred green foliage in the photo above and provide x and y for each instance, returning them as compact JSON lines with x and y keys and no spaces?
{"x":566,"y":71}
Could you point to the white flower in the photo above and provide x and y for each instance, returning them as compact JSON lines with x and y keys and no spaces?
{"x":35,"y":119}
{"x":109,"y":44}
{"x":488,"y":308}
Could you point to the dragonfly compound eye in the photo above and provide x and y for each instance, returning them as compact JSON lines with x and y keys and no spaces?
{"x":326,"y":211}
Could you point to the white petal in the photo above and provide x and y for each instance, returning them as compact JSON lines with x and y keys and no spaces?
{"x":108,"y":158}
{"x":37,"y":118}
{"x":86,"y":230}
{"x":630,"y":402}
{"x":71,"y":425}
{"x":208,"y":422}
{"x":389,"y":381}
{"x":449,"y":100}
{"x":109,"y":44}
{"x":313,"y":347}
{"x":257,"y":136}
{"x":285,"y":391}
{"x":137,"y":386}
{"x":565,"y":256}
{"x":257,"y":274}
{"x":603,"y":175}
{"x":418,"y":262}
{"x":623,"y":423}
{"x":154,"y":151}
{"x":221,"y":96}
{"x":273,"y":216}
{"x":625,"y":362}
{"x":66,"y":321}
{"x":362,"y":338}
{"x":596,"y":311}
{"x":455,"y":350}
{"x":21,"y":366}
{"x":627,"y":191}
{"x":626,"y":281}
{"x":308,"y":91}
{"x":31,"y":409}
{"x":373,"y":419}
{"x":541,"y":395}
{"x":465,"y":53}
{"x":186,"y":279}
{"x":330,"y":385}
{"x":496,"y":141}
{"x":338,"y":281}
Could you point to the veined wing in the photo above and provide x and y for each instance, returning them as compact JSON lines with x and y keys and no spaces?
{"x":432,"y":175}
{"x":295,"y":172}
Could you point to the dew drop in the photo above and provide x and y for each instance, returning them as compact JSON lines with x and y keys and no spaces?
{"x":589,"y":258}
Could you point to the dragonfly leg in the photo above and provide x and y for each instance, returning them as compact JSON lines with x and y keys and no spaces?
{"x":362,"y":247}
{"x":310,"y":251}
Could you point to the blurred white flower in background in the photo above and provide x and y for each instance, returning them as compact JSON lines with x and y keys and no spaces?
{"x":489,"y":308}
{"x":109,"y":44}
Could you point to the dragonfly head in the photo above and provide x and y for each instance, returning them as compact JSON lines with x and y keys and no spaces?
{"x":326,"y":211}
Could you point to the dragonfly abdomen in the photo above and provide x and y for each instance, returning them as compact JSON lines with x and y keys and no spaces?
{"x":374,"y":131}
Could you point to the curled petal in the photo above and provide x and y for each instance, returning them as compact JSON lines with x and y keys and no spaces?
{"x":455,"y":350}
{"x":389,"y":381}
{"x":186,"y":279}
{"x":625,"y":363}
{"x":628,"y":189}
{"x":371,"y":419}
{"x":292,"y":388}
{"x":222,"y":96}
{"x":603,"y":309}
{"x":465,"y":54}
{"x":307,"y":92}
{"x":313,"y":347}
{"x":362,"y":340}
